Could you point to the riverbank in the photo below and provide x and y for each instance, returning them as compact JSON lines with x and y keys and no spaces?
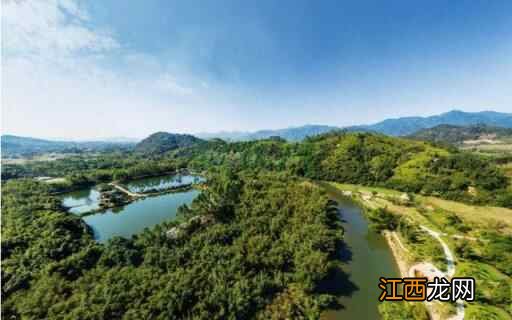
{"x":433,"y":236}
{"x":398,"y":252}
{"x":364,"y":258}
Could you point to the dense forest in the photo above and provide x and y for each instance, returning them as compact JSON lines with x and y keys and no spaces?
{"x":265,"y":241}
{"x":359,"y":158}
{"x":368,"y":159}
{"x":270,"y":241}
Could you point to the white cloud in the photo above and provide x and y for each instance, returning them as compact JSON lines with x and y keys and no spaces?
{"x":169,"y":84}
{"x":50,"y":28}
{"x":57,"y":80}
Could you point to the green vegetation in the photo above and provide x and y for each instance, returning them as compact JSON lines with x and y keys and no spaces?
{"x":271,"y":236}
{"x":273,"y":240}
{"x":15,"y":146}
{"x":368,"y":159}
{"x":480,"y":238}
{"x":459,"y":134}
{"x":359,"y":158}
{"x":403,"y":310}
{"x":162,"y":141}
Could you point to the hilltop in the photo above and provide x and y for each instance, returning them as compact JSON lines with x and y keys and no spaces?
{"x":367,"y":159}
{"x":160,"y":142}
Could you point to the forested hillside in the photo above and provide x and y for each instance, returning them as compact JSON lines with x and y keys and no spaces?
{"x":267,"y":239}
{"x":368,"y":159}
{"x":162,"y":141}
{"x":360,"y":158}
{"x":268,"y":242}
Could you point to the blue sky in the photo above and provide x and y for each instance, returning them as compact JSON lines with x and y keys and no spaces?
{"x":91,"y":69}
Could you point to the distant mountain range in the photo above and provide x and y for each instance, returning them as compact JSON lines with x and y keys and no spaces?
{"x":163,"y":141}
{"x":16,"y":145}
{"x":408,"y":125}
{"x":393,"y":127}
{"x":290,"y":134}
{"x":459,"y":134}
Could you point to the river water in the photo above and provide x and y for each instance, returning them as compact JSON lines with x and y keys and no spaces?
{"x":366,"y":259}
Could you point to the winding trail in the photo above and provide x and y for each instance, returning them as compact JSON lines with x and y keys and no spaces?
{"x":450,"y":270}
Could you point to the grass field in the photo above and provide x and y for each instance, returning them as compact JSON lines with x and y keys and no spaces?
{"x":466,"y":230}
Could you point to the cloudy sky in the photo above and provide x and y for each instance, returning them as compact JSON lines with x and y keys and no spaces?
{"x":92,"y":69}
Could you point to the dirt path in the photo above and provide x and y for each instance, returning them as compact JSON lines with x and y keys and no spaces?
{"x":398,"y":252}
{"x":450,"y":270}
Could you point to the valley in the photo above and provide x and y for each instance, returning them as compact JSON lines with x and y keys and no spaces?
{"x":256,"y":160}
{"x":252,"y":200}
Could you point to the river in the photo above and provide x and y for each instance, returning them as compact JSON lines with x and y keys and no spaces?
{"x":367,"y":257}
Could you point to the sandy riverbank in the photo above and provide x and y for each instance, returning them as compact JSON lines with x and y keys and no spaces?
{"x":398,"y":252}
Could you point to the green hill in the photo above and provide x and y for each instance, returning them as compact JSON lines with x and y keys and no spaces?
{"x":368,"y":159}
{"x":161,"y":142}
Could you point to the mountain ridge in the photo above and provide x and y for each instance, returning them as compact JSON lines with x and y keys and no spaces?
{"x":445,"y":133}
{"x":21,"y":145}
{"x":401,"y":126}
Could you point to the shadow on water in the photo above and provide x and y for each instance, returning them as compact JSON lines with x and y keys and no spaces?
{"x":363,"y":258}
{"x":337,"y":283}
{"x":344,"y":251}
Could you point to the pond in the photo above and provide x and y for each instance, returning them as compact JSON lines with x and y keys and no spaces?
{"x":367,"y":257}
{"x":161,"y":183}
{"x":132,"y":218}
{"x":81,"y":201}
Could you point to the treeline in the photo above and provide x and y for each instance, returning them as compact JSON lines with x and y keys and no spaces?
{"x":269,"y":242}
{"x":367,"y":159}
{"x":359,"y":158}
{"x":80,"y":172}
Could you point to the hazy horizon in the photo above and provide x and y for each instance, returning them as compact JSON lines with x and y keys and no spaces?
{"x":85,"y":71}
{"x":107,"y":138}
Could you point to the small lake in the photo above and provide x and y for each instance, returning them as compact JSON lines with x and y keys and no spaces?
{"x":367,"y":258}
{"x":81,"y":201}
{"x":134,"y":217}
{"x":162,"y":182}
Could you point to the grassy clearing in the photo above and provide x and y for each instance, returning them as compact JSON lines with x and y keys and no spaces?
{"x":475,"y":311}
{"x":483,"y":217}
{"x":467,"y":232}
{"x":507,"y":168}
{"x":358,"y":188}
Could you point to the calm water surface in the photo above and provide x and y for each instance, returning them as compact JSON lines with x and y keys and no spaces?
{"x":368,"y":257}
{"x":162,"y":182}
{"x":81,"y":201}
{"x":134,"y":217}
